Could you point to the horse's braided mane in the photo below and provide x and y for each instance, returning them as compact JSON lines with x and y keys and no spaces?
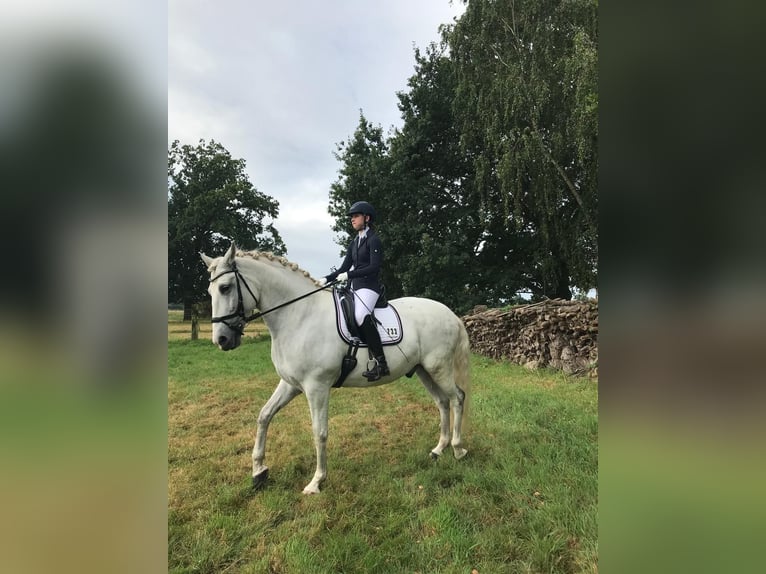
{"x":255,"y":254}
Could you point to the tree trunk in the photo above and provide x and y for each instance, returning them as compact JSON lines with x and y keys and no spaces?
{"x":560,"y":290}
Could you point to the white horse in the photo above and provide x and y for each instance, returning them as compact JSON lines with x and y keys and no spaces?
{"x":307,"y":351}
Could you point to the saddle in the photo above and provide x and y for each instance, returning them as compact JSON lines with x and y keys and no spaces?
{"x":385,"y":317}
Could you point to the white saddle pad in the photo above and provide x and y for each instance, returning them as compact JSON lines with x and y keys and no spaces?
{"x":388,"y":323}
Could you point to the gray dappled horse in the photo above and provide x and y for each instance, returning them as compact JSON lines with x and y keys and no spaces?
{"x":307,"y":351}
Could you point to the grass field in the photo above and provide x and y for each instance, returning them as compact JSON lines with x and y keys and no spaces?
{"x":523,"y":500}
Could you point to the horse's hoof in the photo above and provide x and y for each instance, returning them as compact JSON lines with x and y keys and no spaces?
{"x":311,"y":488}
{"x":259,"y":480}
{"x":433,"y":455}
{"x":460,"y":453}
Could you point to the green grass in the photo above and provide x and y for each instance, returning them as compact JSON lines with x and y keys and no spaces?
{"x":523,"y":500}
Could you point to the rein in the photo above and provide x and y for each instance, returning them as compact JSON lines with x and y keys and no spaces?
{"x":240,"y":312}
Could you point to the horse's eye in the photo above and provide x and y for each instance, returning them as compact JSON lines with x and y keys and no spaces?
{"x":224,"y":288}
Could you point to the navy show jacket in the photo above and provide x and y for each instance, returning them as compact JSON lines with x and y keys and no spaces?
{"x":366,"y":258}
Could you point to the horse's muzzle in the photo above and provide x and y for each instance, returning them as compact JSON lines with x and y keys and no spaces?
{"x":227,"y":343}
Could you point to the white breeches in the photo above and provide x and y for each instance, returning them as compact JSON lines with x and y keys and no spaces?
{"x":364,"y":303}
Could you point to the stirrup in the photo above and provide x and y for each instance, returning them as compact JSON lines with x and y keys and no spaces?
{"x":376,"y":372}
{"x":373,"y":372}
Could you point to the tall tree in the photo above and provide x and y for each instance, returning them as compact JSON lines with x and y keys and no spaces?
{"x":526,"y":105}
{"x":434,"y":233}
{"x":489,"y":188}
{"x":211,"y":202}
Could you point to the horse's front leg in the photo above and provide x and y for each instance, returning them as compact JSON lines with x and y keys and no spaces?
{"x":318,"y":396}
{"x":282,"y":395}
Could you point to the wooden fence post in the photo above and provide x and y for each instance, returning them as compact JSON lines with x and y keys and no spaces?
{"x":195,"y":322}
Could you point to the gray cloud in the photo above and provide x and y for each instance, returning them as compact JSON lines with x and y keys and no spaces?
{"x":280,"y":84}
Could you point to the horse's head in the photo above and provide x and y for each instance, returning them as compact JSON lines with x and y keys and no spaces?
{"x":227,"y":299}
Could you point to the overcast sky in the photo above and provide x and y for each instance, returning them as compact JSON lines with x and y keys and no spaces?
{"x":280,"y":83}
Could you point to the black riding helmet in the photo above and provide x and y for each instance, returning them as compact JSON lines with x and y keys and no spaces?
{"x":364,"y":208}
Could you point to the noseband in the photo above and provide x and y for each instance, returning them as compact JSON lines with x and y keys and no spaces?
{"x":239,"y":327}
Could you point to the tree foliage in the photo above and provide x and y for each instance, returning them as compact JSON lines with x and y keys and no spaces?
{"x":434,"y":231}
{"x":489,"y":187}
{"x":526,"y":103}
{"x":211,"y":202}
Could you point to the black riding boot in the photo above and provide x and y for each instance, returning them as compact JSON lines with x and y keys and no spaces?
{"x":373,"y":340}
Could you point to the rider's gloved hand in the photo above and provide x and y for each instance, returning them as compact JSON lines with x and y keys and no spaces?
{"x":322,"y":281}
{"x":342,"y":276}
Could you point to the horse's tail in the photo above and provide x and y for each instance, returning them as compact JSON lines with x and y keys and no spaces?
{"x":462,"y":367}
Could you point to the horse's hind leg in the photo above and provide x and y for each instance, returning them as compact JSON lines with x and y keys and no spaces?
{"x":458,"y":401}
{"x":443,"y":402}
{"x":446,"y":395}
{"x":282,"y":395}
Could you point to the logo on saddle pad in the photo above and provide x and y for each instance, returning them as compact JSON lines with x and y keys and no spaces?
{"x":386,"y":320}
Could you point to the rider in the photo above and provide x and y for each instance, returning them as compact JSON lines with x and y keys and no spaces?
{"x":362,"y":266}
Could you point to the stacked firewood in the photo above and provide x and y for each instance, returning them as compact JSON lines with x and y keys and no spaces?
{"x":552,"y":333}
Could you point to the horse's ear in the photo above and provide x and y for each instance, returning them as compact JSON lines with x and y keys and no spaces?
{"x":229,"y":257}
{"x":207,"y":260}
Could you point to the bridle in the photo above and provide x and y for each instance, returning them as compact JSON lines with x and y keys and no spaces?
{"x":239,"y":327}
